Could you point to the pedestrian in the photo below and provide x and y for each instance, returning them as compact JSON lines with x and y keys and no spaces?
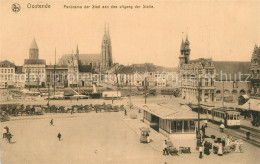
{"x":51,"y":122}
{"x":125,"y":112}
{"x":221,"y":127}
{"x":206,"y":148}
{"x":165,"y":150}
{"x":220,"y":149}
{"x":223,"y":142}
{"x":206,"y":123}
{"x":4,"y":132}
{"x":59,"y":136}
{"x":228,"y":141}
{"x":7,"y":129}
{"x":147,"y":137}
{"x":203,"y":131}
{"x":201,"y":151}
{"x":9,"y":137}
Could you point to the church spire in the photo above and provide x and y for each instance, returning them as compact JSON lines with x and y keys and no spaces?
{"x":182,"y":45}
{"x":187,"y":40}
{"x":77,"y":50}
{"x":105,"y":29}
{"x":108,"y":29}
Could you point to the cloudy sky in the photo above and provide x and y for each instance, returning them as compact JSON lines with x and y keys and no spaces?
{"x":222,"y":30}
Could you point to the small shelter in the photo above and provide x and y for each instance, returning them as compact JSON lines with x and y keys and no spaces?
{"x":177,"y":122}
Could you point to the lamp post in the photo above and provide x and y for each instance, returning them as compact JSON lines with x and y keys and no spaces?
{"x":199,"y":135}
{"x":48,"y":95}
{"x":145,"y":90}
{"x":248,"y":110}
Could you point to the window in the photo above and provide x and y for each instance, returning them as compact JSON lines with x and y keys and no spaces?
{"x":230,"y":117}
{"x":173,"y":126}
{"x":212,"y":82}
{"x":206,"y":82}
{"x":235,"y":117}
{"x":12,"y":70}
{"x":179,"y":126}
{"x":192,"y":126}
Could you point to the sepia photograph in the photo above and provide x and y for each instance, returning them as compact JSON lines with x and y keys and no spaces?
{"x":130,"y":81}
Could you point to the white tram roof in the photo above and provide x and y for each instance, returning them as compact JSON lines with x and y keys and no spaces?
{"x":226,"y":109}
{"x":171,"y":111}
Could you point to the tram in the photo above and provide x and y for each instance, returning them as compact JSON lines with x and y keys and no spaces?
{"x":229,"y":116}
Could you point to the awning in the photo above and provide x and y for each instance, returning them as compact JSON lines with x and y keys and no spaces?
{"x":245,"y":96}
{"x":171,"y":111}
{"x":251,"y":104}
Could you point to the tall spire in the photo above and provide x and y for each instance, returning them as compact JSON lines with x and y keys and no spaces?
{"x":182,"y":45}
{"x":108,"y":29}
{"x":187,"y":40}
{"x":105,"y":28}
{"x":77,"y":50}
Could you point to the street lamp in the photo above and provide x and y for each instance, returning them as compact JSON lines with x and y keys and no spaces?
{"x":199,"y":135}
{"x":246,"y":112}
{"x":48,"y":95}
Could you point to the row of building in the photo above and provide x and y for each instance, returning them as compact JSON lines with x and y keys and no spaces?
{"x":77,"y":69}
{"x":211,"y":81}
{"x":201,"y":78}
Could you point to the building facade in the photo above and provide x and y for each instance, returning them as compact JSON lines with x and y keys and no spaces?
{"x":7,"y":74}
{"x":197,"y":78}
{"x":34,"y":68}
{"x":56,"y":75}
{"x":255,"y":72}
{"x":219,"y":80}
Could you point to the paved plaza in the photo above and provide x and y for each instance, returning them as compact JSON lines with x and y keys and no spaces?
{"x":96,"y":138}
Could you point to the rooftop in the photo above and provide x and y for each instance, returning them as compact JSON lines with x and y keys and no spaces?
{"x":171,"y":111}
{"x":232,"y":68}
{"x":33,"y":45}
{"x":6,"y":63}
{"x":253,"y":104}
{"x":34,"y":61}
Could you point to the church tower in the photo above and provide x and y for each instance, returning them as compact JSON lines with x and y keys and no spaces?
{"x":185,"y":52}
{"x":34,"y":51}
{"x":106,"y":51}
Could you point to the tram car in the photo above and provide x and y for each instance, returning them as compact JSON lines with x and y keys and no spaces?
{"x":229,"y":116}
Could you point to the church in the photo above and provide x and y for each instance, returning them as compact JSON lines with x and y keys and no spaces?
{"x":102,"y":61}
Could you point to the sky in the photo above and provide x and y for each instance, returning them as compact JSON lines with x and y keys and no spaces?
{"x":223,"y":30}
